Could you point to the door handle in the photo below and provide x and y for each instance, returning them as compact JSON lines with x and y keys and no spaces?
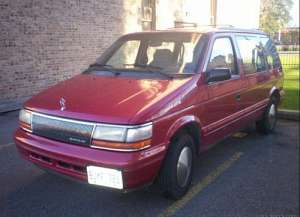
{"x":238,"y":97}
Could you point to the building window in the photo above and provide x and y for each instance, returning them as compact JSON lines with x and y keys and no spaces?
{"x":148,"y":15}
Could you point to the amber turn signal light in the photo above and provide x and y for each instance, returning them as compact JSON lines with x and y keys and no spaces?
{"x":135,"y":146}
{"x":25,"y":126}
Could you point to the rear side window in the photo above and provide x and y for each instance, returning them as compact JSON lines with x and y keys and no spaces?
{"x":270,"y":52}
{"x":222,"y":55}
{"x":252,"y":53}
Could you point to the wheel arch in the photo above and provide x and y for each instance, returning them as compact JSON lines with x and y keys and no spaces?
{"x":190,"y":124}
{"x":275,"y":92}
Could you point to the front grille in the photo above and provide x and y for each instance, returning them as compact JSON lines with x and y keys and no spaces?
{"x":60,"y":129}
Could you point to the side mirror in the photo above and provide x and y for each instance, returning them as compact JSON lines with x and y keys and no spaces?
{"x":218,"y":74}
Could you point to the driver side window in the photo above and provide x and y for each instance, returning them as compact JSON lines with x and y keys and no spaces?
{"x":222,"y":56}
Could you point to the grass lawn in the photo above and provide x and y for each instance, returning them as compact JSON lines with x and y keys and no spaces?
{"x":289,"y":58}
{"x":291,"y":84}
{"x":290,"y":62}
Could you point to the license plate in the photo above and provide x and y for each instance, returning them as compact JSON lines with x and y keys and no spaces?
{"x":105,"y":177}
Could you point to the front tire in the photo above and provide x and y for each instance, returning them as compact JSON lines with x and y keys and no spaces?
{"x":176,"y":173}
{"x":268,"y":122}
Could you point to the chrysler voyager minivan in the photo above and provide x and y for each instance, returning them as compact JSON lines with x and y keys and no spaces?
{"x":150,"y":104}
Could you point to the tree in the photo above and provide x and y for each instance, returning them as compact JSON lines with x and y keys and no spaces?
{"x":274,"y":14}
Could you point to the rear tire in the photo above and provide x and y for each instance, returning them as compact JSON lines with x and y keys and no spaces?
{"x":176,"y":173}
{"x":268,"y":122}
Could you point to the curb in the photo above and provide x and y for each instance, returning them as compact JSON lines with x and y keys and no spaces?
{"x":289,"y":114}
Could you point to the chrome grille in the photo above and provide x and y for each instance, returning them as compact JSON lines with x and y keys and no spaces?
{"x":60,"y":129}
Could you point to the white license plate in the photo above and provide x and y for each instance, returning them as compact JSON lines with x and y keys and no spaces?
{"x":105,"y":177}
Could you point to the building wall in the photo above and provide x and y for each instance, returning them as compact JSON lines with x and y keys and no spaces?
{"x":241,"y":14}
{"x":194,"y":11}
{"x":44,"y":42}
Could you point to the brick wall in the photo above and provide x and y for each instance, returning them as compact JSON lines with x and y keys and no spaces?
{"x":45,"y":41}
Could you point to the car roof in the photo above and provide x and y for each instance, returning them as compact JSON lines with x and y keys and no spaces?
{"x":205,"y":29}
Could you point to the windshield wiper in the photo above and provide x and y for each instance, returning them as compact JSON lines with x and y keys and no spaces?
{"x":101,"y":65}
{"x":156,"y":69}
{"x":107,"y":67}
{"x":184,"y":74}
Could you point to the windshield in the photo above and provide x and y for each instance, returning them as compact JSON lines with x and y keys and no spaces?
{"x":168,"y":54}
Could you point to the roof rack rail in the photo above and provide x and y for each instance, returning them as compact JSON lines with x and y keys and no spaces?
{"x":183,"y":24}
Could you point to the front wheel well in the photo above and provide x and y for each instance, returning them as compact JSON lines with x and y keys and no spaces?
{"x":193,"y":129}
{"x":276,"y":95}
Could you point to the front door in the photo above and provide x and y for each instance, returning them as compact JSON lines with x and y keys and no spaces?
{"x":224,"y":96}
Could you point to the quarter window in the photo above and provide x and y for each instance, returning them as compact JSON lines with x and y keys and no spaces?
{"x":222,"y":55}
{"x":271,"y":53}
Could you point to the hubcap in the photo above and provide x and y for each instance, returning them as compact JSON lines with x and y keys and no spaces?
{"x":184,"y":166}
{"x":272,"y":116}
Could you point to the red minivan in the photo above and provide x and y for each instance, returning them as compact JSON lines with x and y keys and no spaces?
{"x":150,"y":104}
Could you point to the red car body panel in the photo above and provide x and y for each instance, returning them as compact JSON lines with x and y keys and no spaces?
{"x":217,"y":110}
{"x":115,"y":100}
{"x":138,"y":167}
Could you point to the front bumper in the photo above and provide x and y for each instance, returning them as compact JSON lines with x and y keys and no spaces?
{"x":138,"y":168}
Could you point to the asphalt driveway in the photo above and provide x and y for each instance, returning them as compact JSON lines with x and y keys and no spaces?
{"x":245,"y":175}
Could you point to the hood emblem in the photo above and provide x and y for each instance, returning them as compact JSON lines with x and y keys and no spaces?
{"x":62,"y":103}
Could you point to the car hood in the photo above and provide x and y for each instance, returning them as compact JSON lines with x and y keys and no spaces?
{"x":118,"y":100}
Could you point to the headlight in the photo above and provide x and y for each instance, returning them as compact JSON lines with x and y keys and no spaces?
{"x":126,"y":138}
{"x":139,"y":134}
{"x":25,"y":117}
{"x":108,"y":133}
